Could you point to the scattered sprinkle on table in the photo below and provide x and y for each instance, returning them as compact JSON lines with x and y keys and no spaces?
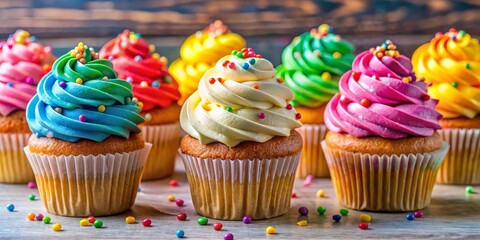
{"x":147,"y":222}
{"x":173,"y":183}
{"x":308,"y":180}
{"x":321,"y":210}
{"x":91,"y":219}
{"x":10,"y":207}
{"x":320,"y":193}
{"x":31,"y":185}
{"x":171,"y":198}
{"x":302,"y":223}
{"x":217,"y":226}
{"x":180,"y":233}
{"x":57,"y":227}
{"x":182,"y":216}
{"x":365,"y":217}
{"x":469,"y":189}
{"x":410,"y":216}
{"x":228,"y":236}
{"x":247,"y":219}
{"x":343,"y":212}
{"x":202,"y":221}
{"x":418,"y":214}
{"x":303,"y":211}
{"x":179,"y":202}
{"x":270,"y":230}
{"x":31,"y":216}
{"x":39,"y":217}
{"x":31,"y":197}
{"x":294,"y":195}
{"x":84,"y":222}
{"x":363,"y":225}
{"x":47,"y":219}
{"x":98,"y":223}
{"x":336,"y":218}
{"x":130,"y":220}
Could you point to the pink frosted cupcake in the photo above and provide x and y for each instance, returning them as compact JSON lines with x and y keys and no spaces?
{"x":23,"y":62}
{"x":383,"y":150}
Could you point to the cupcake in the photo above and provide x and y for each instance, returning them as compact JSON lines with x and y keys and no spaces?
{"x":23,"y":62}
{"x":86,"y":150}
{"x":450,"y":62}
{"x":136,"y":61}
{"x":200,"y":52}
{"x":241,"y":150}
{"x":382,"y":149}
{"x":311,"y":66}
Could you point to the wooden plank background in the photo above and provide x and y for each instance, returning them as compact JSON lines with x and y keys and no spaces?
{"x":89,"y":18}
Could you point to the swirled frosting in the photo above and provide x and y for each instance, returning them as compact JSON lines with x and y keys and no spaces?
{"x":381,"y":96}
{"x":451,"y":62}
{"x":312,"y":64}
{"x":81,"y":98}
{"x":134,"y":60}
{"x":23,"y":62}
{"x":239,"y":100}
{"x":199,"y":53}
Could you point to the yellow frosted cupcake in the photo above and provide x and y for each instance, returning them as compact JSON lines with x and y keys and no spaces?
{"x":200,"y":52}
{"x":241,"y":151}
{"x":450,"y":62}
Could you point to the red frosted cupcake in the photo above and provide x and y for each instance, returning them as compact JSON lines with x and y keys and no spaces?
{"x":136,"y":61}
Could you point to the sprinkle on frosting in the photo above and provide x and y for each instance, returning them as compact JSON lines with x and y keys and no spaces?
{"x":376,"y":99}
{"x":217,"y":28}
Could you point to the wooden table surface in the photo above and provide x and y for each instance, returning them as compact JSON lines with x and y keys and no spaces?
{"x":452,"y":214}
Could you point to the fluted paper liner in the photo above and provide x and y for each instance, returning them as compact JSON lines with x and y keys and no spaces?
{"x":88,"y":185}
{"x":462,"y":163}
{"x":14,"y":166}
{"x":312,"y":161}
{"x":388,"y":183}
{"x":230,"y":189}
{"x":165,"y":139}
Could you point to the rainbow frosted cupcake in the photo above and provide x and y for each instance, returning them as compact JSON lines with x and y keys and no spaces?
{"x":450,"y":62}
{"x":136,"y":61}
{"x":383,"y":150}
{"x":200,"y":52}
{"x":241,"y":150}
{"x":311,"y":66}
{"x":23,"y":62}
{"x":87,"y":152}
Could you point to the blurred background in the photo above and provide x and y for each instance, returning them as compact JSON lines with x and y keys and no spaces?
{"x":267,"y":25}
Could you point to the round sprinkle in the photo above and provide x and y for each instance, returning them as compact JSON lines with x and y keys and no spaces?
{"x":130,"y":220}
{"x":39,"y":217}
{"x":320,"y":193}
{"x":303,"y":211}
{"x":57,"y":227}
{"x":47,"y":219}
{"x":251,"y":61}
{"x":180,"y":233}
{"x":426,"y":97}
{"x":84,"y":222}
{"x":101,"y":108}
{"x":147,"y":222}
{"x":337,"y":55}
{"x":256,"y":86}
{"x":410,"y":216}
{"x":321,"y":210}
{"x":31,"y":216}
{"x":156,"y":84}
{"x":137,"y":58}
{"x":179,"y":202}
{"x":280,"y":80}
{"x":418,"y":214}
{"x":317,"y":53}
{"x":343,"y":212}
{"x":91,"y":219}
{"x":356,"y":75}
{"x":363,"y":225}
{"x":336,"y":218}
{"x":467,"y":66}
{"x":182,"y":216}
{"x":327,"y":76}
{"x":129,"y":79}
{"x":365,"y":217}
{"x":79,"y":80}
{"x":261,"y":115}
{"x":58,"y":110}
{"x":469,"y":189}
{"x":135,"y":100}
{"x":294,"y":195}
{"x":62,"y":84}
{"x":143,"y":84}
{"x":32,"y":185}
{"x":105,"y":78}
{"x":231,"y":65}
{"x":454,"y":84}
{"x":245,"y":66}
{"x":10,"y":207}
{"x":98,"y":223}
{"x":365,"y":102}
{"x":171,"y":198}
{"x":202,"y":221}
{"x":82,"y":118}
{"x":247,"y":219}
{"x":211,"y":80}
{"x":217,"y":226}
{"x":270,"y":230}
{"x":302,"y":223}
{"x":173,"y":183}
{"x":110,"y":58}
{"x":289,"y":106}
{"x":228,"y":109}
{"x":31,"y":197}
{"x":298,"y":115}
{"x":139,"y":189}
{"x":29,"y":80}
{"x":228,"y":236}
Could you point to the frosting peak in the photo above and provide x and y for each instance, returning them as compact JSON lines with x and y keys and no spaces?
{"x":81,"y":98}
{"x":239,"y":100}
{"x":381,"y":96}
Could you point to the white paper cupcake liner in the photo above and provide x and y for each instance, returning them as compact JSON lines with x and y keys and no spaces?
{"x":88,"y":185}
{"x":165,"y":139}
{"x":390,"y":183}
{"x":312,"y":161}
{"x":14,"y":166}
{"x":230,"y":189}
{"x":462,"y":163}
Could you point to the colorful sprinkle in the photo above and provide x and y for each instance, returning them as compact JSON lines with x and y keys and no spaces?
{"x":91,"y":219}
{"x":454,"y":84}
{"x":79,"y":81}
{"x":247,"y":219}
{"x":256,"y":86}
{"x":58,"y":110}
{"x":363,"y":225}
{"x":365,"y":102}
{"x":303,"y":211}
{"x":101,"y":108}
{"x":31,"y":216}
{"x":179,"y":202}
{"x":137,"y":58}
{"x":57,"y":227}
{"x":317,"y":53}
{"x":231,"y":65}
{"x":31,"y":197}
{"x":129,"y":79}
{"x":406,"y":79}
{"x":321,"y":210}
{"x":467,"y":65}
{"x":302,"y":223}
{"x":202,"y":221}
{"x":217,"y":226}
{"x":171,"y":198}
{"x":148,"y":117}
{"x":418,"y":214}
{"x":270,"y":230}
{"x":29,"y":80}
{"x":212,"y":80}
{"x":280,"y":80}
{"x":182,"y":216}
{"x":327,"y":76}
{"x":62,"y":84}
{"x":32,"y":185}
{"x":365,"y":217}
{"x":225,"y":63}
{"x":426,"y":97}
{"x":343,"y":212}
{"x":98,"y":223}
{"x":84,"y":222}
{"x":336,"y":218}
{"x":289,"y":106}
{"x":143,"y":84}
{"x":228,"y":109}
{"x":245,"y":66}
{"x":180,"y":233}
{"x":298,"y":116}
{"x":228,"y":236}
{"x":294,"y":195}
{"x":337,"y":55}
{"x":469,"y":189}
{"x":410,"y":216}
{"x":82,"y":118}
{"x":39,"y":217}
{"x":156,"y":84}
{"x":261,"y":115}
{"x":151,"y":48}
{"x":173,"y":183}
{"x":252,"y":61}
{"x":156,"y":56}
{"x":320,"y":193}
{"x":46,"y":220}
{"x":146,"y":222}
